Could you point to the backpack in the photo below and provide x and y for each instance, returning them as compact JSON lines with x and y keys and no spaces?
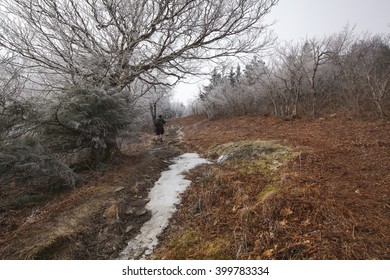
{"x":159,"y":122}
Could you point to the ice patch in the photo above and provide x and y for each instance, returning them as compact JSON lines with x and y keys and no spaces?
{"x":164,"y":197}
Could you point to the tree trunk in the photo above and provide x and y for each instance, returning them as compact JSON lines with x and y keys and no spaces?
{"x":97,"y":155}
{"x":111,"y":151}
{"x":104,"y":151}
{"x":153,"y":111}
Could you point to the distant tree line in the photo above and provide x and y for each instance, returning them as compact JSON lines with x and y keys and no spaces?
{"x":340,"y":73}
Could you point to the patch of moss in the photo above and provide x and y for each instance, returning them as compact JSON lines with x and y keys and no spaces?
{"x":183,"y":244}
{"x":188,"y":244}
{"x":268,"y":191}
{"x":253,"y":157}
{"x":216,"y":249}
{"x":253,"y":167}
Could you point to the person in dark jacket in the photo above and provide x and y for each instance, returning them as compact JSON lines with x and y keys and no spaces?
{"x":160,"y":122}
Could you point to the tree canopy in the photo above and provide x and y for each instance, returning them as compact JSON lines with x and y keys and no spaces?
{"x":110,"y":43}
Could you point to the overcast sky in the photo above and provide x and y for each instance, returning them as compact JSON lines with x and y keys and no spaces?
{"x":298,"y":19}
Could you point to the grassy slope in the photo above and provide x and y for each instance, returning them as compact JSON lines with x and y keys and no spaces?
{"x":329,"y":200}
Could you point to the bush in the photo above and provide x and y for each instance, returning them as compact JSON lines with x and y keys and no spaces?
{"x":87,"y":118}
{"x":22,"y":162}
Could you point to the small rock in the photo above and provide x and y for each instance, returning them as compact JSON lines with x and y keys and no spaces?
{"x":141,"y":212}
{"x":129,"y":228}
{"x":222,"y":159}
{"x":118,"y":189}
{"x":129,"y":211}
{"x":135,"y":189}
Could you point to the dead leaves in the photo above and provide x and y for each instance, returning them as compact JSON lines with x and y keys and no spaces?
{"x":285,"y":212}
{"x":305,"y":214}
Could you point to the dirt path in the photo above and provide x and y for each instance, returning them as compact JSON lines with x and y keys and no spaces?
{"x":96,"y":220}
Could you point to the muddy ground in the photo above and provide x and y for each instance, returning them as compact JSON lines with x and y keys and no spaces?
{"x":329,"y":201}
{"x":96,"y":220}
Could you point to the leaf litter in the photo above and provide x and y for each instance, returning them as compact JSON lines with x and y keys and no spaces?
{"x":327,"y":200}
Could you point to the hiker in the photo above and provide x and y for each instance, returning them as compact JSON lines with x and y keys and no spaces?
{"x":160,"y":122}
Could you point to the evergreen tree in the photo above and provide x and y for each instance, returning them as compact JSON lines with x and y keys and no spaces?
{"x":215,"y":80}
{"x":254,"y":70}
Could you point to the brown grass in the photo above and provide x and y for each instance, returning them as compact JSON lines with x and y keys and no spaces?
{"x":329,"y":201}
{"x":89,"y":222}
{"x":317,"y":190}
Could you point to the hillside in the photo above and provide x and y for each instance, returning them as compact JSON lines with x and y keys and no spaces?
{"x":328,"y":199}
{"x":298,"y":189}
{"x":94,"y":221}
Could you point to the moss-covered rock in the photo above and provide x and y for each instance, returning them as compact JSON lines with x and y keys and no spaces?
{"x":253,"y":157}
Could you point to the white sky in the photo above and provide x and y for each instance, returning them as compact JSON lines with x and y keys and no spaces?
{"x":298,"y":19}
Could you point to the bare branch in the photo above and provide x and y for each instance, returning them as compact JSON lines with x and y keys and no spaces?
{"x":111,"y":43}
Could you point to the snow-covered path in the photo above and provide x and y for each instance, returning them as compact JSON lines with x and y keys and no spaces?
{"x":164,"y":197}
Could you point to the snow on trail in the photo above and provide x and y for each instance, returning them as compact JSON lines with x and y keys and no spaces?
{"x":164,"y":197}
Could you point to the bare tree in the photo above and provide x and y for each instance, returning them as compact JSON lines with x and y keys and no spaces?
{"x":365,"y":82}
{"x":156,"y":97}
{"x":112,"y":42}
{"x":100,"y":47}
{"x":316,"y":54}
{"x":289,"y":74}
{"x":375,"y":74}
{"x":302,"y":75}
{"x":16,"y":110}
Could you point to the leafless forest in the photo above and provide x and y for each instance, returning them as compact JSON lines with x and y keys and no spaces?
{"x":338,"y":74}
